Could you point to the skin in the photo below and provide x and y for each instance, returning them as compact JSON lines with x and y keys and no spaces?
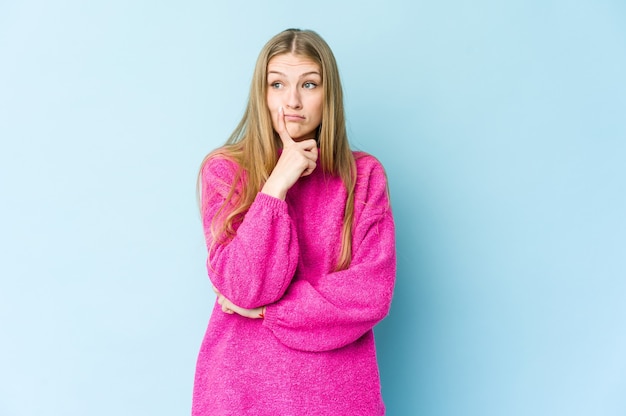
{"x":231,"y":308}
{"x":295,"y":84}
{"x":295,"y":98}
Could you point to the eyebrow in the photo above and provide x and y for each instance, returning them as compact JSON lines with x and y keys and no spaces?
{"x":306,"y":74}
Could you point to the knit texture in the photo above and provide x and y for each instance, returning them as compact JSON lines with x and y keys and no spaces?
{"x":314,"y":353}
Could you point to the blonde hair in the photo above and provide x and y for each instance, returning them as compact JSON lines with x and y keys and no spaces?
{"x":254,"y":144}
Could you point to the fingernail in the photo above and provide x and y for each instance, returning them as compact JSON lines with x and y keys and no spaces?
{"x":280,"y":109}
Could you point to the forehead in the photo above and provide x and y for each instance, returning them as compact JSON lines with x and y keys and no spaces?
{"x":289,"y":63}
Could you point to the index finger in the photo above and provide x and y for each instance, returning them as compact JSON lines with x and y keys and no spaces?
{"x":281,"y":128}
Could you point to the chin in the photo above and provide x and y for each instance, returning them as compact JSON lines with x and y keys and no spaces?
{"x":302,"y":136}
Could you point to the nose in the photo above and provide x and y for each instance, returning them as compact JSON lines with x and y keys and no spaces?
{"x":293,"y":99}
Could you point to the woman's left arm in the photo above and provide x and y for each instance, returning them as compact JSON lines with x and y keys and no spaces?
{"x":337,"y":308}
{"x":341,"y":306}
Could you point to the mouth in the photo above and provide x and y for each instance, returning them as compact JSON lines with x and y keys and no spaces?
{"x":294,"y":117}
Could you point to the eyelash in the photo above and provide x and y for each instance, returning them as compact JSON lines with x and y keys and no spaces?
{"x":307,"y":85}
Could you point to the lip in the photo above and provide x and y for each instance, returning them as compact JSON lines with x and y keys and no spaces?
{"x":293,"y":117}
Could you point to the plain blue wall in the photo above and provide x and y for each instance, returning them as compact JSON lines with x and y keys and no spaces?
{"x":501,"y":125}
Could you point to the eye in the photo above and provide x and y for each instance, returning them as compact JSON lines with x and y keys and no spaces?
{"x":309,"y":85}
{"x":276,"y":85}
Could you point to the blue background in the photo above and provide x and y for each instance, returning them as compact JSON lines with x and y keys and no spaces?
{"x":502,"y":128}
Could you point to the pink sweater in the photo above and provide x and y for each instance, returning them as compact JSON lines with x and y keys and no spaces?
{"x":314,"y":353}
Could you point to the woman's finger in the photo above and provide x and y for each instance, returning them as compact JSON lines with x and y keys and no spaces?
{"x":310,"y":168}
{"x":308,"y":144}
{"x":227,"y":306}
{"x":281,"y":129}
{"x":309,"y":150}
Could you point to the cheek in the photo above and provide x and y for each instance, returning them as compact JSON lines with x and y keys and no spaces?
{"x":271,"y":105}
{"x":273,"y":112}
{"x":319,"y":108}
{"x":319,"y":103}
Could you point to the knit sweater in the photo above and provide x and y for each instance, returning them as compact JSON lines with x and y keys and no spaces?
{"x":314,"y":352}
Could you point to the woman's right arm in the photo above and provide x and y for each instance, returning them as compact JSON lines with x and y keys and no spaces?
{"x":257,"y":265}
{"x":255,"y":268}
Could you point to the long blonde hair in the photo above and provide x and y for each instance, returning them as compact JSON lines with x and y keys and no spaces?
{"x":254,"y":144}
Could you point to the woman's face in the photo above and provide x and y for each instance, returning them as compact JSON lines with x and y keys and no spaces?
{"x":295,"y":83}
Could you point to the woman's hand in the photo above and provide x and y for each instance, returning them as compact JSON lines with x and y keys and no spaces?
{"x":297,"y":159}
{"x":230,"y":308}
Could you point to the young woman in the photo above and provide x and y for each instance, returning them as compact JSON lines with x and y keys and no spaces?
{"x":301,"y":246}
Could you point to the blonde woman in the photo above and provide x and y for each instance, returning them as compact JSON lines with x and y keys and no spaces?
{"x":301,"y":249}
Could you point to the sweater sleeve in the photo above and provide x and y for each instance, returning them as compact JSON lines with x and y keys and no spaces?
{"x":340,"y":307}
{"x":255,"y":267}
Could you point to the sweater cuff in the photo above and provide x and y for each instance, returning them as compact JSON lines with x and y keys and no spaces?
{"x":270,"y":202}
{"x":269,"y":317}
